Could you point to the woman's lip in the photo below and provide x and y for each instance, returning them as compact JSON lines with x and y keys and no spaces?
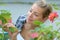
{"x":30,"y":19}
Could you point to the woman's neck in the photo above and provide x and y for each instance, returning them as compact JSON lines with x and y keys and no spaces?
{"x":28,"y":26}
{"x":26,"y":30}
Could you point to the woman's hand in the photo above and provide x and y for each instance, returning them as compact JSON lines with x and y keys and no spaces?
{"x":12,"y":35}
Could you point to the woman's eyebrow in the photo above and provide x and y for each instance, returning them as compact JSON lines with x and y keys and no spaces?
{"x":31,"y":9}
{"x":34,"y":11}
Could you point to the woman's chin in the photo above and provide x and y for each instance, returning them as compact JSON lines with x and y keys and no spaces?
{"x":30,"y":22}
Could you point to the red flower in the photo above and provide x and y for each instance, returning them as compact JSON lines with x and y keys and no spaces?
{"x":10,"y":21}
{"x":52,"y":16}
{"x":34,"y":35}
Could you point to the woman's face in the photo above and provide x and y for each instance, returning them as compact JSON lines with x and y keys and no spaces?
{"x":35,"y":13}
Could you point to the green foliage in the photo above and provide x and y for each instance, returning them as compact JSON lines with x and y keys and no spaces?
{"x":37,"y":22}
{"x":46,"y":32}
{"x":57,"y":23}
{"x":55,"y":6}
{"x":12,"y":29}
{"x":5,"y":17}
{"x":1,"y":36}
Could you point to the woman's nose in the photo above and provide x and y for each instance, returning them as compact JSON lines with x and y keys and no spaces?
{"x":31,"y":15}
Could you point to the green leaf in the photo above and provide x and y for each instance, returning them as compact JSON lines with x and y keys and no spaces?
{"x":35,"y":38}
{"x":32,"y":31}
{"x":54,"y":4}
{"x":0,"y":26}
{"x":5,"y":16}
{"x":37,"y":22}
{"x":57,"y":23}
{"x":31,"y":39}
{"x":1,"y":36}
{"x":42,"y":25}
{"x":13,"y":29}
{"x":37,"y":29}
{"x":56,"y":8}
{"x":3,"y":19}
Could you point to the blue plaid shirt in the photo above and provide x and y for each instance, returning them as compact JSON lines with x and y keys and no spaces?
{"x":20,"y":22}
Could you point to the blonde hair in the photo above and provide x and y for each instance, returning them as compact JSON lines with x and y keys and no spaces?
{"x":47,"y":7}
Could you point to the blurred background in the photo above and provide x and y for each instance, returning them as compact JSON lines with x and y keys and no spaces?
{"x":20,"y":7}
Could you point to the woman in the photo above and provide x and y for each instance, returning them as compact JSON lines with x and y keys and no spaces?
{"x":39,"y":11}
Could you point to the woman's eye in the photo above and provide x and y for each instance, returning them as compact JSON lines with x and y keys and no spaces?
{"x":30,"y":10}
{"x":36,"y":15}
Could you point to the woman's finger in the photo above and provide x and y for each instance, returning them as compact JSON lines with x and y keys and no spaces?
{"x":9,"y":25}
{"x":15,"y":33}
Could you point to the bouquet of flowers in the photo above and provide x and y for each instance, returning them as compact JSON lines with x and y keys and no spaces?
{"x":5,"y":17}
